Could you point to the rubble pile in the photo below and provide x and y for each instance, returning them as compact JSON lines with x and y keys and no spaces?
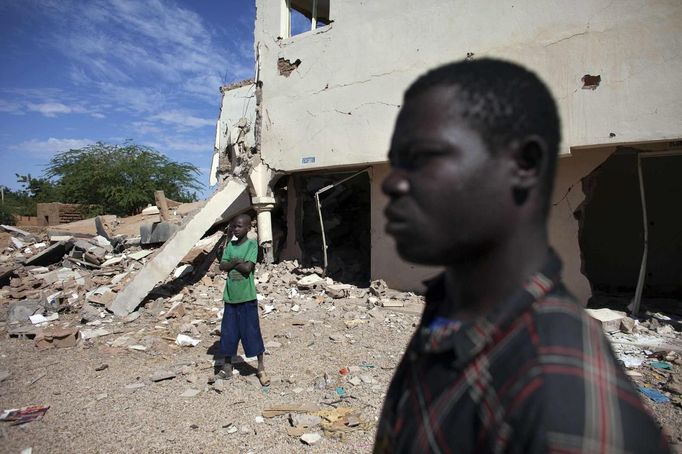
{"x":331,"y":349}
{"x":650,"y":349}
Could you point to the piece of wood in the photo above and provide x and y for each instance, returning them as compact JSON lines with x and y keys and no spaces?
{"x":233,"y":195}
{"x":160,"y":199}
{"x":282,"y":409}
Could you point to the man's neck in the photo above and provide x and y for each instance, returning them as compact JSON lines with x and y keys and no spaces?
{"x":477,"y":286}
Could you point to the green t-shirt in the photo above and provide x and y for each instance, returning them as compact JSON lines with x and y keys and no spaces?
{"x":240,"y":288}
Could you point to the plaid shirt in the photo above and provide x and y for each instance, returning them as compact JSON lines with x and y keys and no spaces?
{"x":537,"y":375}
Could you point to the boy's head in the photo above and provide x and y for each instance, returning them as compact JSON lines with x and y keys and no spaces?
{"x":473,"y":155}
{"x":241,"y":224}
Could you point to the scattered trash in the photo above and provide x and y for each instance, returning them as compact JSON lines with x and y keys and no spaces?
{"x":40,"y":318}
{"x":654,"y":395}
{"x":23,"y":415}
{"x":340,"y":391}
{"x":184,"y":340}
{"x":661,"y":365}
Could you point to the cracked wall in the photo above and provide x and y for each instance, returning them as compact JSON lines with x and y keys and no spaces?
{"x":338,"y":106}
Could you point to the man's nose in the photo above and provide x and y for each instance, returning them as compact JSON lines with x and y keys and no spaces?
{"x":395,"y":184}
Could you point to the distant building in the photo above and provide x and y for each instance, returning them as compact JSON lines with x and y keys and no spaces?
{"x":329,"y":81}
{"x":55,"y":213}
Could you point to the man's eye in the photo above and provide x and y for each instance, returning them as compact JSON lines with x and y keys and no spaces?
{"x":420,"y":158}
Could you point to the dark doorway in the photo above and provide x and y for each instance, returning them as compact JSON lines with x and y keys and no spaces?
{"x":611,"y":226}
{"x":346,"y":215}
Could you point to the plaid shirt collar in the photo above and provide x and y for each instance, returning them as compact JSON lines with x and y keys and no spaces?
{"x":466,"y":341}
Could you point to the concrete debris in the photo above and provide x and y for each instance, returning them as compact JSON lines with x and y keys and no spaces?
{"x":610,"y":319}
{"x":162,"y":375}
{"x":177,"y":310}
{"x":18,"y":244}
{"x":4,"y":375}
{"x":304,"y":420}
{"x":57,"y":338}
{"x":21,"y":311}
{"x":311,"y":439}
{"x":93,"y":333}
{"x":308,"y":282}
{"x":190,"y":392}
{"x":233,"y":196}
{"x":349,"y":338}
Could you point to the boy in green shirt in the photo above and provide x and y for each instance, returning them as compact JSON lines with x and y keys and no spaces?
{"x":240,"y":319}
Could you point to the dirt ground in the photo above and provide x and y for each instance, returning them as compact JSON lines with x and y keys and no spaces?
{"x":331,"y":349}
{"x":93,"y":411}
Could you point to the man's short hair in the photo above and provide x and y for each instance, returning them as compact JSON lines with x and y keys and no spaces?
{"x":503,"y":101}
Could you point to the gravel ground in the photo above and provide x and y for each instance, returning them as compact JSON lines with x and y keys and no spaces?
{"x":93,"y":411}
{"x":102,"y":398}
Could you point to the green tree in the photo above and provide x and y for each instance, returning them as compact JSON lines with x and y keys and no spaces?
{"x":120,"y":179}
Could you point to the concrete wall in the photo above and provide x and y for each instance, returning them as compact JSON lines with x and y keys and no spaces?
{"x":339,"y":104}
{"x":237,"y":103}
{"x":336,"y":103}
{"x":563,"y":227}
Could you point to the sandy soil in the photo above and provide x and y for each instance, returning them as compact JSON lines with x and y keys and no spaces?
{"x":93,"y":411}
{"x":102,"y":398}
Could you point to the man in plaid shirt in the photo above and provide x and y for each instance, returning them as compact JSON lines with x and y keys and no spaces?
{"x":504,"y":359}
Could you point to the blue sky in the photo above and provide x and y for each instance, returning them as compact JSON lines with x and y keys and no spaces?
{"x":73,"y":72}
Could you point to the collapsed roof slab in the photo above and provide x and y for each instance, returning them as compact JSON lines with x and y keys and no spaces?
{"x":232,"y":199}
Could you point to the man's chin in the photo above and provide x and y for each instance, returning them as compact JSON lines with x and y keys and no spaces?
{"x":414,"y":252}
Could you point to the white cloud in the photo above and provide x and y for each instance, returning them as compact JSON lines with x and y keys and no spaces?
{"x":51,"y":109}
{"x":47,"y":148}
{"x":183,"y":119}
{"x":118,"y":41}
{"x":189,"y":146}
{"x":10,"y":106}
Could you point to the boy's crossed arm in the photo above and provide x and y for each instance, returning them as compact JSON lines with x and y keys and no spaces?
{"x":243,"y":266}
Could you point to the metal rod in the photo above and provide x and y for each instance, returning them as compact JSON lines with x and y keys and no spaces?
{"x":313,"y":18}
{"x":642,"y":269}
{"x":324,"y":238}
{"x":319,"y":211}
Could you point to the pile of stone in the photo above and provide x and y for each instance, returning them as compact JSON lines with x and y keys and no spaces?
{"x":77,"y":278}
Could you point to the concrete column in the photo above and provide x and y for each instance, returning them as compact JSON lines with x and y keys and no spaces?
{"x":263,"y":207}
{"x":263,"y":202}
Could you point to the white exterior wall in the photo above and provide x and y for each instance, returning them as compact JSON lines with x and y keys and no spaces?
{"x":236,"y":104}
{"x":340,"y":104}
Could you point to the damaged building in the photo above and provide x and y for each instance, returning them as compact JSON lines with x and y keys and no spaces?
{"x":310,"y":132}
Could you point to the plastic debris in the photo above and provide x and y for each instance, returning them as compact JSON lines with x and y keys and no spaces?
{"x":184,"y":340}
{"x":654,"y":395}
{"x":23,"y":415}
{"x":661,"y":365}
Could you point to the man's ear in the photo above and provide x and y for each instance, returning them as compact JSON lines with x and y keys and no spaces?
{"x":529,"y":163}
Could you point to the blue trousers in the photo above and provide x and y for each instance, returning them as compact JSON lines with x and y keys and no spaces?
{"x":240,"y":322}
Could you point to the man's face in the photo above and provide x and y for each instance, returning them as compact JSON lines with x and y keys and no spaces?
{"x":449,"y":196}
{"x":240,"y":227}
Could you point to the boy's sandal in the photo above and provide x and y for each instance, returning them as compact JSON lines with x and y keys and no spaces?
{"x":224,"y":374}
{"x":263,"y":378}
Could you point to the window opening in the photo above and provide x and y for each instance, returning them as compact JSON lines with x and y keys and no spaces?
{"x":301,"y":16}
